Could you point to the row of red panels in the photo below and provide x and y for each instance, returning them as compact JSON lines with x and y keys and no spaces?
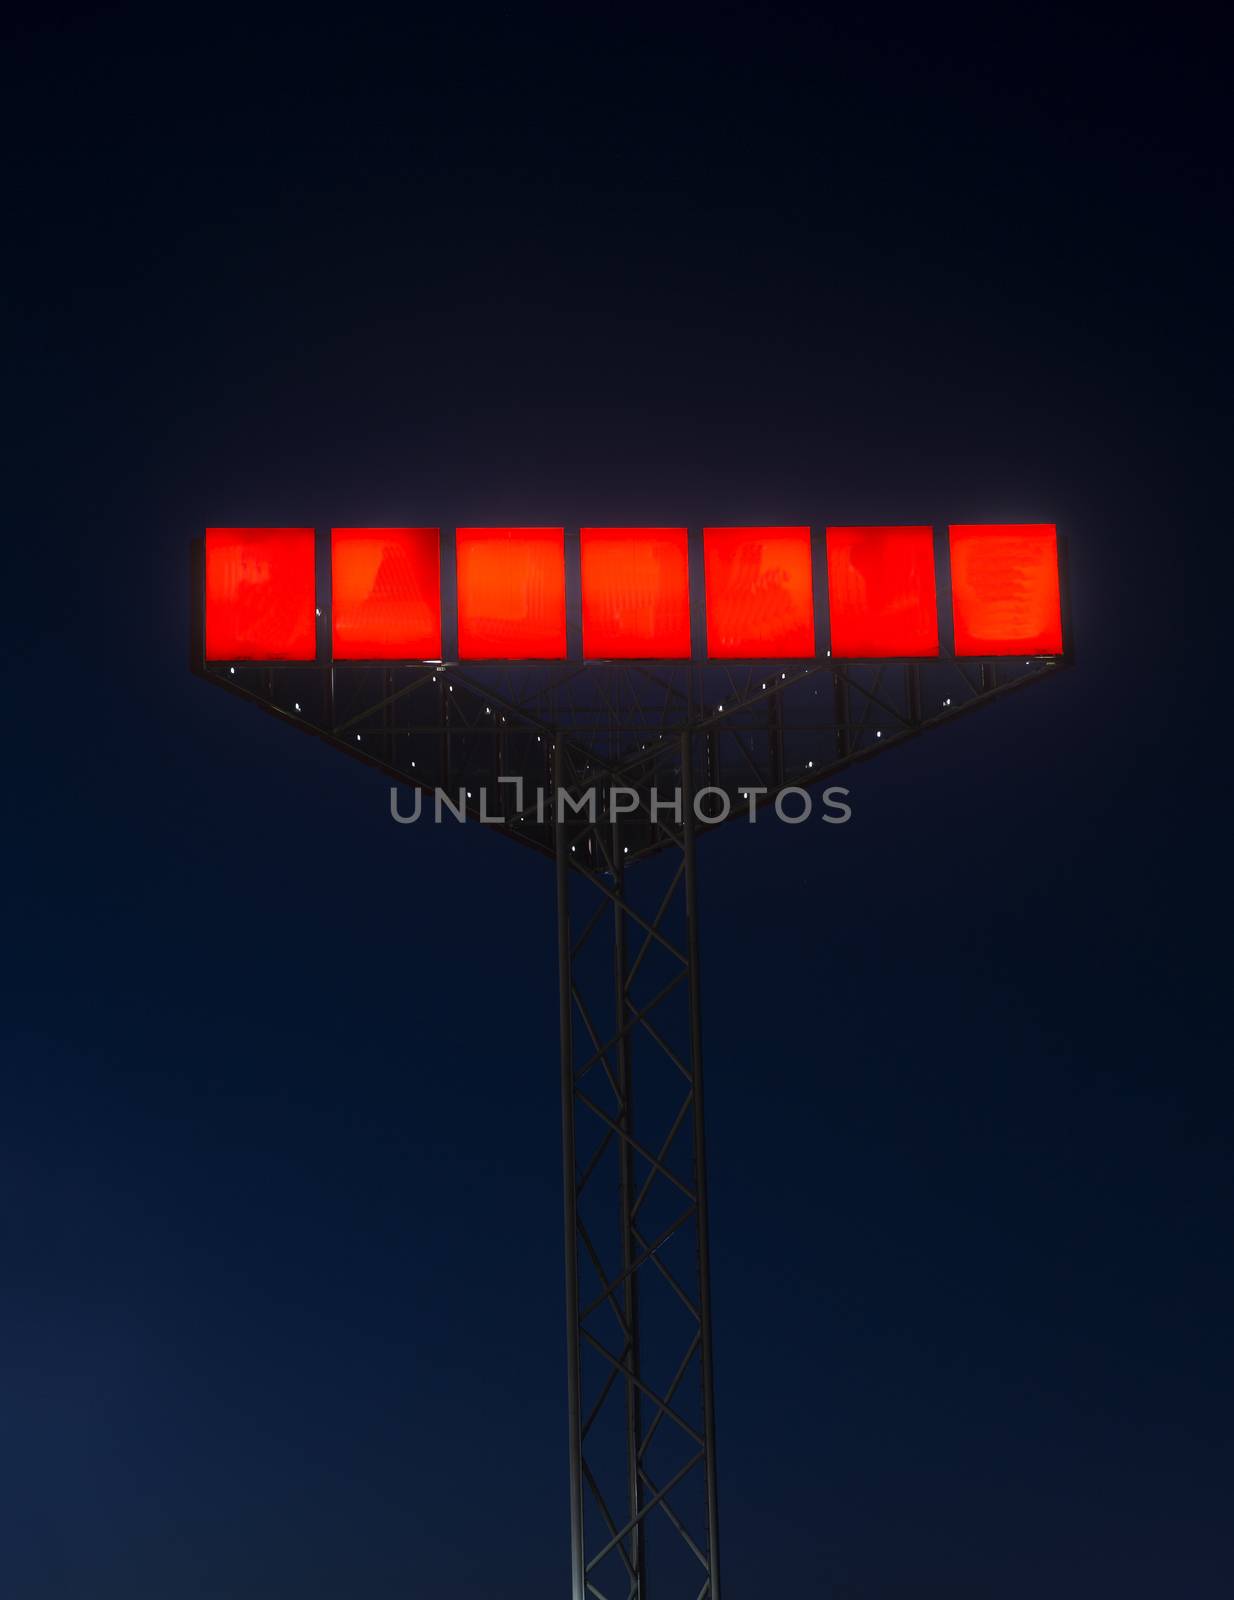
{"x":262,"y":605}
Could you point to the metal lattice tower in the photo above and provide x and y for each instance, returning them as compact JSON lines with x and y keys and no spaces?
{"x":520,"y":746}
{"x":638,"y":1289}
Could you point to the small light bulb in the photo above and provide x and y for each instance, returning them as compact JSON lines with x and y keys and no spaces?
{"x":297,"y":705}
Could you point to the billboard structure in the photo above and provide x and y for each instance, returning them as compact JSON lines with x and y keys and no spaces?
{"x":605,"y":695}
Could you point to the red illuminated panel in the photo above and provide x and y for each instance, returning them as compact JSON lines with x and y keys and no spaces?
{"x":636,"y":593}
{"x":1004,"y":589}
{"x":760,"y":592}
{"x":511,"y":594}
{"x":881,"y":586}
{"x":386,"y":594}
{"x":260,"y":594}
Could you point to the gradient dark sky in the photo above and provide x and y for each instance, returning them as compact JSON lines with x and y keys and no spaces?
{"x":280,"y":1278}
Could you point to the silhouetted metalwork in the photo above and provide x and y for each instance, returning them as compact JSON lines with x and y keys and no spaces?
{"x":504,"y":741}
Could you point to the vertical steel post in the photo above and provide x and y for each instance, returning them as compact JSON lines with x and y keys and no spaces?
{"x":707,"y":1369}
{"x":842,"y":715}
{"x":629,"y":1247}
{"x":912,"y":694}
{"x":569,"y":1184}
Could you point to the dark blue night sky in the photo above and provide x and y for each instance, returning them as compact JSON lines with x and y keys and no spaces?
{"x":280,"y":1237}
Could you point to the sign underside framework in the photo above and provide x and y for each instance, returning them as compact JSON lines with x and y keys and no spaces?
{"x":639,"y":1338}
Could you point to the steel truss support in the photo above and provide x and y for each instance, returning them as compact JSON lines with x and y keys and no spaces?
{"x":498,"y":737}
{"x":638,"y":1290}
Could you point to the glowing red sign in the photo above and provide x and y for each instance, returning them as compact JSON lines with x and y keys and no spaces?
{"x":636,"y":594}
{"x":386,"y":594}
{"x":260,"y":594}
{"x":511,"y":594}
{"x":881,"y":586}
{"x":387,"y":604}
{"x":760,"y":593}
{"x":1004,"y":589}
